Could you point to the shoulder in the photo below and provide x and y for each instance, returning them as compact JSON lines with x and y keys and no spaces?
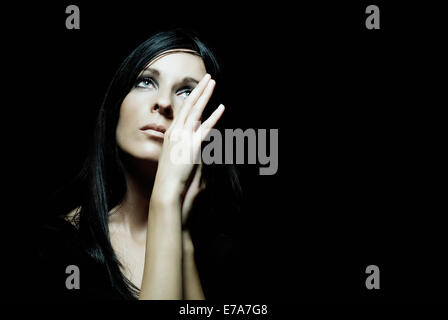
{"x":56,"y":247}
{"x":56,"y":237}
{"x":59,"y":248}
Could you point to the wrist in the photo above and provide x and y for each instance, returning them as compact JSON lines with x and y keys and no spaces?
{"x":168,"y":185}
{"x":167,"y":208}
{"x":166,"y":196}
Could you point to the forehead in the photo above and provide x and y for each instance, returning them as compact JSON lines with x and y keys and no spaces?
{"x":179,"y":64}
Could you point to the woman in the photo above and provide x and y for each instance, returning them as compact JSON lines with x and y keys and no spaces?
{"x":135,"y":218}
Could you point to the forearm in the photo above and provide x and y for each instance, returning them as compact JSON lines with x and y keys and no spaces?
{"x":192,"y":288}
{"x":162,"y":275}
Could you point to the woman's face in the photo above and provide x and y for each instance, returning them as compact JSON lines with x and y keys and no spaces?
{"x":155,"y":100}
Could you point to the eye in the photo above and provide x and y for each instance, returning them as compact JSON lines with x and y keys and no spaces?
{"x":145,"y":82}
{"x":184,"y":92}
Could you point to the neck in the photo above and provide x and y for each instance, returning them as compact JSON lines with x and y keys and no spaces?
{"x":131,"y":215}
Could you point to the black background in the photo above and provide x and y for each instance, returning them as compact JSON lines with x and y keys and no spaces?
{"x":360,"y":178}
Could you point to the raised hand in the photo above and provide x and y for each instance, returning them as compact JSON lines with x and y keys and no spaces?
{"x":178,"y":170}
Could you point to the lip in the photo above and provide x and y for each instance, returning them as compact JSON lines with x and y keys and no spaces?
{"x":154,"y":130}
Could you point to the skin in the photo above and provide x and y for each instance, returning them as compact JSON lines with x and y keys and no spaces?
{"x":146,"y":229}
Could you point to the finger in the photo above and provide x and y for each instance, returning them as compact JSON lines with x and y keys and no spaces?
{"x":211,"y":121}
{"x":196,"y":111}
{"x":192,"y":98}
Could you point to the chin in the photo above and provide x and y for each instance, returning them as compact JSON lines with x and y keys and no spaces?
{"x":145,"y":152}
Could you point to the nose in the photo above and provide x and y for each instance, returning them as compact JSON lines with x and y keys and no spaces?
{"x":163,"y":105}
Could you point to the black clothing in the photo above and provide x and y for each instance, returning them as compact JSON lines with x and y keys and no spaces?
{"x":57,"y":246}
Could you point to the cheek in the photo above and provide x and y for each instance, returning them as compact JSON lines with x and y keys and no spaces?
{"x":134,"y":113}
{"x":129,"y":117}
{"x":134,"y":108}
{"x":133,"y":103}
{"x":178,"y":103}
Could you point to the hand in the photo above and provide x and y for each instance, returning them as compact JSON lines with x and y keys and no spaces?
{"x":182,"y":142}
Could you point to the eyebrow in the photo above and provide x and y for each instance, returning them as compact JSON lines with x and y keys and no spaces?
{"x":157,"y":73}
{"x":151,"y":70}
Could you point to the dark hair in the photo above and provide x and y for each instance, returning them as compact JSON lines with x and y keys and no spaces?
{"x":101,"y":179}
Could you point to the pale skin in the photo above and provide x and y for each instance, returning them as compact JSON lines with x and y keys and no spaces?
{"x":146,"y":229}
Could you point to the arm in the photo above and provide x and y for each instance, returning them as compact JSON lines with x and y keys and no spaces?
{"x":191,"y":281}
{"x":166,"y":253}
{"x":162,"y":275}
{"x":165,"y":265}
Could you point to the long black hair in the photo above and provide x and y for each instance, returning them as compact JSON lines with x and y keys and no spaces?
{"x":102,"y":181}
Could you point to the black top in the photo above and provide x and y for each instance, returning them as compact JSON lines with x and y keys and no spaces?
{"x":56,"y":247}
